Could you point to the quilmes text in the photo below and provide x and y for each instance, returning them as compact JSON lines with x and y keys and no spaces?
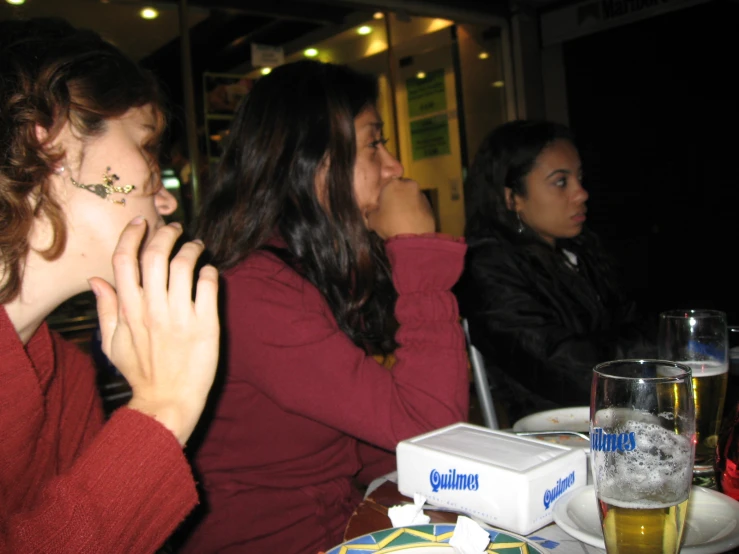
{"x":616,"y":442}
{"x":451,"y":480}
{"x":562,"y":485}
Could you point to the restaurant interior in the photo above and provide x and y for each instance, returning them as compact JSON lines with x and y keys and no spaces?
{"x":649,"y":94}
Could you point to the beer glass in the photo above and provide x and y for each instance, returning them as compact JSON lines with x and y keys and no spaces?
{"x":642,"y":426}
{"x":698,"y":339}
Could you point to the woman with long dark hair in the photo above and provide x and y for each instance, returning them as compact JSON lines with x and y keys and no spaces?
{"x":329,"y":258}
{"x":79,"y":186}
{"x":542,"y":298}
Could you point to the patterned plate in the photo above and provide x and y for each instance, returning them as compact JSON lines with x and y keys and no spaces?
{"x":428,"y":538}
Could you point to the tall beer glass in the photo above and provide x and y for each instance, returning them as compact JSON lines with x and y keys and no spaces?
{"x":698,"y":339}
{"x":642,"y":426}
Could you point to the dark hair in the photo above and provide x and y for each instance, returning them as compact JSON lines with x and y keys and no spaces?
{"x":296,"y":122}
{"x":505,"y":158}
{"x":52,"y":74}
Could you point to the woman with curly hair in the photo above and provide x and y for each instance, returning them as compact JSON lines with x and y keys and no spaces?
{"x":79,"y":186}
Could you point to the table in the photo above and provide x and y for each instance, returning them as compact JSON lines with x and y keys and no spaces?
{"x":371,"y":515}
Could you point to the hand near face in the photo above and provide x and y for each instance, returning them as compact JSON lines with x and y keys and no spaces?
{"x":164,"y":343}
{"x":401,"y":209}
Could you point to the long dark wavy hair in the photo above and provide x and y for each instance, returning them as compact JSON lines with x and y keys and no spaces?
{"x":505,"y":159}
{"x":298,"y":122}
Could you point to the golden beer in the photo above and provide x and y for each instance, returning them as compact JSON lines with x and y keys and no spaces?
{"x":642,"y":529}
{"x":709,"y":392}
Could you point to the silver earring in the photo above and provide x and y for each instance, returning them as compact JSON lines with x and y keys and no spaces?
{"x":59,"y":170}
{"x":521,"y":226}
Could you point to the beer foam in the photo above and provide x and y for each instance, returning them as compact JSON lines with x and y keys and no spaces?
{"x":706,"y":368}
{"x":656,"y":473}
{"x":644,"y":505}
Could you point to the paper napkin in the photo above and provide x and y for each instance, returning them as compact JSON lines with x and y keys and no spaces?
{"x":409,"y":514}
{"x":469,"y":537}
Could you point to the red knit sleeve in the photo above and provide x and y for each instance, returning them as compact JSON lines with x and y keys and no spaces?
{"x":284,"y":342}
{"x":126,"y":492}
{"x":81,"y":415}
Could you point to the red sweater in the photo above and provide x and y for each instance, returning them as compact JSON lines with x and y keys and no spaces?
{"x":68,"y":482}
{"x":301,"y":403}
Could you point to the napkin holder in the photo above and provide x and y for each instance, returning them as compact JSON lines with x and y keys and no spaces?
{"x":507,"y":481}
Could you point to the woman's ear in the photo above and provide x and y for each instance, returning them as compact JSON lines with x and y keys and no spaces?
{"x":320,"y":184}
{"x":510,"y":199}
{"x":42,"y":134}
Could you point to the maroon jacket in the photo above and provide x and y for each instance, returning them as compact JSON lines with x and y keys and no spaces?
{"x":302,"y":404}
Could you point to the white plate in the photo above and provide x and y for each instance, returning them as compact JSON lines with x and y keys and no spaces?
{"x":711,"y":526}
{"x":565,"y":439}
{"x":562,"y":419}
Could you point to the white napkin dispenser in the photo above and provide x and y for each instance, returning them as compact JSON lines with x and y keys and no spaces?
{"x":507,"y":481}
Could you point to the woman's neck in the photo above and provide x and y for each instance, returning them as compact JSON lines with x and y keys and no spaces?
{"x":43,"y":289}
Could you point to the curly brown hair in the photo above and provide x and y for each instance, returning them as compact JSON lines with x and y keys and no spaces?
{"x":52,"y":74}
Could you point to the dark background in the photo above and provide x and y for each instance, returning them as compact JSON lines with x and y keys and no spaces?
{"x":655,"y":109}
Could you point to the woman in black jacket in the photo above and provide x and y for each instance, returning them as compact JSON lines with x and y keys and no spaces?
{"x":541,"y":297}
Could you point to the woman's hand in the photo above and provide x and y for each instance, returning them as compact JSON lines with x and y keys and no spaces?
{"x":164,"y":344}
{"x":402,"y":209}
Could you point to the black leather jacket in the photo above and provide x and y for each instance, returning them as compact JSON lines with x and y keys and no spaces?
{"x":541,"y":332}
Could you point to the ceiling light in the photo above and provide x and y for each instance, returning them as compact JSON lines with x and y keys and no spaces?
{"x":266,"y":70}
{"x":483,"y":55}
{"x":420,"y":75}
{"x":498,"y":84}
{"x":149,"y":13}
{"x":15,"y":2}
{"x":364,"y":30}
{"x":310,"y":52}
{"x":378,"y":15}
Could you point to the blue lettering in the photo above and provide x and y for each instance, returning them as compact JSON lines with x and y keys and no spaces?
{"x":435,"y":479}
{"x":562,"y":485}
{"x":453,"y":481}
{"x":595,"y":439}
{"x":617,"y":442}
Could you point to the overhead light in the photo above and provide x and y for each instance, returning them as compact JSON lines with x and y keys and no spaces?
{"x":378,"y":15}
{"x":15,"y":2}
{"x":170,"y":180}
{"x":266,"y":70}
{"x":483,"y":55}
{"x":364,"y":30}
{"x":310,"y":52}
{"x":498,"y":84}
{"x":149,"y":13}
{"x":420,"y":75}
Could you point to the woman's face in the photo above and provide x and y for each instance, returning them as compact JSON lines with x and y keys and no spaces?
{"x":554,"y":205}
{"x":375,"y":167}
{"x":95,"y":224}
